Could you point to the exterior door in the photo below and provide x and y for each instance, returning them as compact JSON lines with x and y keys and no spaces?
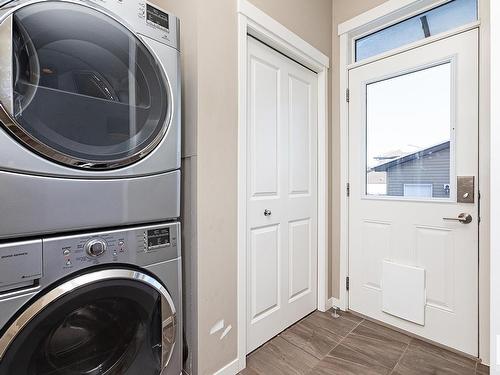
{"x":281,"y":193}
{"x":413,"y":166}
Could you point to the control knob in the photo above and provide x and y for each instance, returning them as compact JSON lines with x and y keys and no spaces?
{"x":95,"y":247}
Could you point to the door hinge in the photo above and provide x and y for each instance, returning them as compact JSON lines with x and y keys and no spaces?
{"x":479,"y":207}
{"x":348,"y":189}
{"x":347,"y":95}
{"x":347,"y":283}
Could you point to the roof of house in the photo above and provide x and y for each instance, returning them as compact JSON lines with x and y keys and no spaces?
{"x":416,"y":155}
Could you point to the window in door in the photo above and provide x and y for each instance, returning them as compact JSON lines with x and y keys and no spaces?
{"x":409,"y":134}
{"x":443,"y":18}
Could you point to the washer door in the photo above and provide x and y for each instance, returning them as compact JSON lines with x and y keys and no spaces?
{"x":112,"y":322}
{"x":86,"y":91}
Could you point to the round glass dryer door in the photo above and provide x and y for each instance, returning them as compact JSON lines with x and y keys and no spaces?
{"x":110,"y":322}
{"x":86,"y":91}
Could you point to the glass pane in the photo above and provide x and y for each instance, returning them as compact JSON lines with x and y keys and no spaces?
{"x":408,"y":130}
{"x":443,"y":18}
{"x":110,"y":327}
{"x":83,"y":84}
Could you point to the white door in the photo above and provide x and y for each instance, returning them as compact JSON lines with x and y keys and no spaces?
{"x":281,"y":193}
{"x":413,"y":133}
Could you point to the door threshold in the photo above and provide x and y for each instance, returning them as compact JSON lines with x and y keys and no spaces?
{"x":413,"y":335}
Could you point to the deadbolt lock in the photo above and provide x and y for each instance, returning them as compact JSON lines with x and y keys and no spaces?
{"x":465,"y":189}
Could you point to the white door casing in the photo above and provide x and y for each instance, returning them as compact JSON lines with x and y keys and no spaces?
{"x":411,"y":231}
{"x":281,"y":178}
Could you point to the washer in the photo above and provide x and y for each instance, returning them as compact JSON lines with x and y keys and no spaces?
{"x":93,"y":303}
{"x":90,"y":115}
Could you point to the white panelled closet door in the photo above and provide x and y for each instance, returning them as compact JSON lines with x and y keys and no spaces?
{"x":281,"y":193}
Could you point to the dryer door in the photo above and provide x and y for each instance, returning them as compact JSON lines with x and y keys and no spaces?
{"x":79,"y":87}
{"x":113,"y":322}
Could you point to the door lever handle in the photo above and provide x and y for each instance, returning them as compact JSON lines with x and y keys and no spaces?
{"x":463,"y":218}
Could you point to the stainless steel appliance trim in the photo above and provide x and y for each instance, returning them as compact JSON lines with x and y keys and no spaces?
{"x":91,"y":278}
{"x":6,"y":89}
{"x":28,"y":140}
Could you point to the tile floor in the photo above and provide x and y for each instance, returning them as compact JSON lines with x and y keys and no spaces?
{"x":322,"y":345}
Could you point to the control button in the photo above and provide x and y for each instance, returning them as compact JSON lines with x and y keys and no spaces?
{"x":68,"y":262}
{"x":66,"y":252}
{"x":95,"y":247}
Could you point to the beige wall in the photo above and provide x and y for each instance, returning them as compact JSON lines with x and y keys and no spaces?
{"x":210,"y":109}
{"x":217,"y":182}
{"x":343,"y":10}
{"x":311,"y":20}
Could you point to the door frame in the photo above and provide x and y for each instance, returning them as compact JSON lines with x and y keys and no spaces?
{"x":254,"y":22}
{"x":495,"y":186}
{"x":389,"y":13}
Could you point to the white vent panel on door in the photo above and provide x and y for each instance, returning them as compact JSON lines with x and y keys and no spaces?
{"x":403,"y":291}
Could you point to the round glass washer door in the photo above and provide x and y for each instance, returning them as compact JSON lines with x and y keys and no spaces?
{"x":86,"y":91}
{"x":108,"y":322}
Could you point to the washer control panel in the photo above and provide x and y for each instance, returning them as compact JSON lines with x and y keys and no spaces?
{"x":141,"y":246}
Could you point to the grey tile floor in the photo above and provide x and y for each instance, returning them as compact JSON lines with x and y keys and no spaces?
{"x":322,"y":345}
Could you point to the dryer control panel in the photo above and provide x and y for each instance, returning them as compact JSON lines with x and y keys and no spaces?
{"x":146,"y":19}
{"x":143,"y":17}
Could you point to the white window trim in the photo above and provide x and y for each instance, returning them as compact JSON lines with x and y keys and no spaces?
{"x":252,"y":21}
{"x":387,"y":14}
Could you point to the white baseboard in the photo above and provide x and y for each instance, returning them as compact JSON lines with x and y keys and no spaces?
{"x":332,"y":302}
{"x":231,"y":368}
{"x":329,"y":303}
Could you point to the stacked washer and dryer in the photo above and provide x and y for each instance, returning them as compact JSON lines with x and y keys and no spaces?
{"x":90,"y":260}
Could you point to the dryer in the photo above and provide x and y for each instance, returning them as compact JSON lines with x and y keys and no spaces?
{"x":90,"y":115}
{"x":94,"y":303}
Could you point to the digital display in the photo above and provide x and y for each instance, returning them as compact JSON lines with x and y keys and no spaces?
{"x":157,"y":17}
{"x":158,"y":237}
